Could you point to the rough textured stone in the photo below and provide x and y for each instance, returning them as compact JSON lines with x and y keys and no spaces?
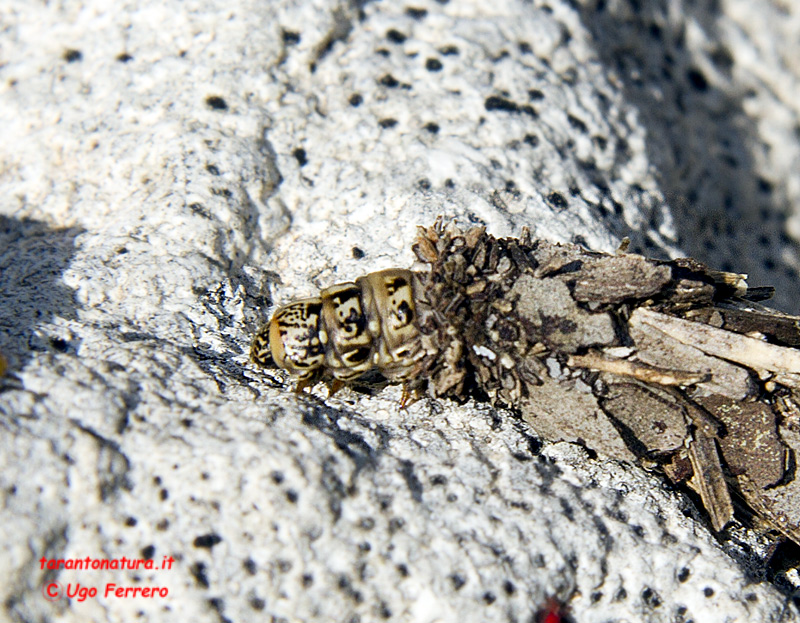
{"x":170,"y":170}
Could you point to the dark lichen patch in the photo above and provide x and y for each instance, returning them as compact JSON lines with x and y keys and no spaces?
{"x":458,"y":581}
{"x":131,"y":522}
{"x":722,"y":59}
{"x":396,"y":524}
{"x":534,"y":445}
{"x":503,"y":104}
{"x":387,"y":123}
{"x":72,"y":56}
{"x":489,"y":598}
{"x":557,"y":201}
{"x":357,"y":253}
{"x":250,"y":566}
{"x":257,"y":603}
{"x":697,"y":79}
{"x":290,"y":37}
{"x":222,"y":192}
{"x":431,"y":127}
{"x":413,"y":483}
{"x":577,"y":123}
{"x":495,"y":102}
{"x":59,"y":344}
{"x":356,"y":100}
{"x":395,"y":36}
{"x":148,"y":552}
{"x":300,"y":155}
{"x":448,"y":50}
{"x":567,"y":510}
{"x":651,"y":598}
{"x":617,"y":514}
{"x":388,"y":80}
{"x":124,"y":58}
{"x":198,"y":572}
{"x":402,"y":569}
{"x":307,"y":580}
{"x":433,"y":64}
{"x":535,"y":95}
{"x":218,"y":604}
{"x":366,"y":523}
{"x":207,"y":540}
{"x":292,"y":496}
{"x":347,"y":588}
{"x":215,"y":102}
{"x":531,"y":139}
{"x":708,"y":591}
{"x":416,"y":13}
{"x":200,"y":210}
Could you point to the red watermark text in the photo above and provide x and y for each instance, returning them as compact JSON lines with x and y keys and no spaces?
{"x":123,"y":563}
{"x":54,"y":590}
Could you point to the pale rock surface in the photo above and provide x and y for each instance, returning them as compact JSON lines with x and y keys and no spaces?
{"x":169,"y":170}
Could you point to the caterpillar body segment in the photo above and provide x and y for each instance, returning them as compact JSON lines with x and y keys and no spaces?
{"x":350,"y":329}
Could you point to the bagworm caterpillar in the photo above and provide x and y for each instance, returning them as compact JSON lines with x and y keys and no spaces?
{"x":668,"y":362}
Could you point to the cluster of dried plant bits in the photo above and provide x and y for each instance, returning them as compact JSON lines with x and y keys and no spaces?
{"x":668,"y":362}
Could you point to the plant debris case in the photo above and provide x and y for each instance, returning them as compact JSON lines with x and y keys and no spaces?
{"x":668,"y":362}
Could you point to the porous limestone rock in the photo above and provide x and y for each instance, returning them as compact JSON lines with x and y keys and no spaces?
{"x":169,"y":170}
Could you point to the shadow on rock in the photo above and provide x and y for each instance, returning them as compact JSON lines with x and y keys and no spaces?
{"x":33,"y":257}
{"x":698,"y":136}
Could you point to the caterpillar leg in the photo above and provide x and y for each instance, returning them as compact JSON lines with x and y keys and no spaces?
{"x":411,"y":394}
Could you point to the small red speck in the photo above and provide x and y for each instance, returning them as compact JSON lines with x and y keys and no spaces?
{"x":552,"y":612}
{"x":552,"y":617}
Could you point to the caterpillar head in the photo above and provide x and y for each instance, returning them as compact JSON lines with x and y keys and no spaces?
{"x":292,"y":340}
